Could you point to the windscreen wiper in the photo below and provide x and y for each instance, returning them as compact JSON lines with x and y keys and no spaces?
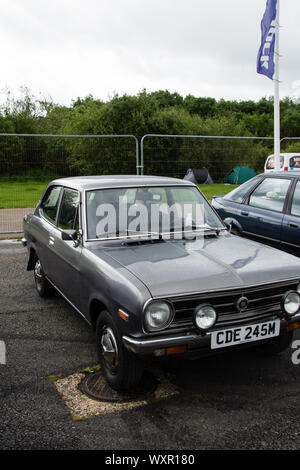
{"x":195,"y":228}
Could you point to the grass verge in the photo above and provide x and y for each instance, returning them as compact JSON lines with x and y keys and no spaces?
{"x":210,"y":190}
{"x":19,"y":194}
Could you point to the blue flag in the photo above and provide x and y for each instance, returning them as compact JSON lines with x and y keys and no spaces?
{"x":265,"y":57}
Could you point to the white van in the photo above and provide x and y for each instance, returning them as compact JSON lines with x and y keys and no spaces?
{"x":288,"y":162}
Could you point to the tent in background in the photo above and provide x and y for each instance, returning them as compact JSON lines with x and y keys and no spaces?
{"x":198,"y":176}
{"x":239,"y":174}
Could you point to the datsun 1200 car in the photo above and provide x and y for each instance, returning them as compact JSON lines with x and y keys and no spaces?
{"x":152,"y":268}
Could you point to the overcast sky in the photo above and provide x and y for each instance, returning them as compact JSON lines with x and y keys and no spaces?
{"x":68,"y":48}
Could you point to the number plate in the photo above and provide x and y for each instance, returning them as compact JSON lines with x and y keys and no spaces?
{"x":244,"y":334}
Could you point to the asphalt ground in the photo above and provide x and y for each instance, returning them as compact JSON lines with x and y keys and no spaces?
{"x":231,"y":401}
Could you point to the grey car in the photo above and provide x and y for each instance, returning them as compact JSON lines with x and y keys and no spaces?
{"x":148,"y":263}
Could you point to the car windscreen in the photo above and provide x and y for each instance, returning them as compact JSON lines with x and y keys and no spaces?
{"x":270,"y":165}
{"x":156,"y":210}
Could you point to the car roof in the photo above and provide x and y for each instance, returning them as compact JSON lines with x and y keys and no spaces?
{"x":282,"y":174}
{"x":110,"y":181}
{"x":286,"y":154}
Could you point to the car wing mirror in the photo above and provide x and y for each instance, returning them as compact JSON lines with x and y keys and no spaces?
{"x":228,"y":224}
{"x":70,"y":235}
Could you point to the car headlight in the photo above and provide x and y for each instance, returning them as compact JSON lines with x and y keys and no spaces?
{"x":158,"y":315}
{"x":205,"y":316}
{"x":290,"y":302}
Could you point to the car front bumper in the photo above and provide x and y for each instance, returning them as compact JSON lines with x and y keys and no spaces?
{"x":193,"y":341}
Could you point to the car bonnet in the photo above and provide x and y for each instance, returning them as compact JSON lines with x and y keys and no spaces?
{"x":172,"y":267}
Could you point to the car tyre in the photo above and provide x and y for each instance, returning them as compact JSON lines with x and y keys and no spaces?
{"x":277,"y":345}
{"x":43,"y":286}
{"x":121,"y":368}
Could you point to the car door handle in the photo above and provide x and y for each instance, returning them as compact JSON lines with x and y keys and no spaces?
{"x":244,"y":213}
{"x":293,"y":225}
{"x":51,"y":241}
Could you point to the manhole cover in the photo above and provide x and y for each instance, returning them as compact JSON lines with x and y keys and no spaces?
{"x":95,"y":386}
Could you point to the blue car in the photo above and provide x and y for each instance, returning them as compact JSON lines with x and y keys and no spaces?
{"x":265,"y":208}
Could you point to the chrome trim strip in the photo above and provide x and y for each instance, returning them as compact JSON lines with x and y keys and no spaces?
{"x":229,"y":319}
{"x":289,"y":244}
{"x":253,"y":311}
{"x":257,"y":235}
{"x":157,"y":235}
{"x":150,"y":185}
{"x":228,"y":304}
{"x":228,"y":291}
{"x":143,"y":346}
{"x":258,"y":316}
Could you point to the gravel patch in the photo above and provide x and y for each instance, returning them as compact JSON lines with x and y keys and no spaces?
{"x":82,"y":407}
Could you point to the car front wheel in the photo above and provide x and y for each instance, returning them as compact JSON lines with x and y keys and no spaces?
{"x":43,"y":286}
{"x":121,"y":368}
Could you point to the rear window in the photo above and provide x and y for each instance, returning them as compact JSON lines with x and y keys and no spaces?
{"x":295,"y":162}
{"x":270,"y":165}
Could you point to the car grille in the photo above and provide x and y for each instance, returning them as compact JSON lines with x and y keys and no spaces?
{"x":263,"y":301}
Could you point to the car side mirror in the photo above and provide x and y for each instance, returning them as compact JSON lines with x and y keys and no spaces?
{"x":228,"y":223}
{"x":70,"y":235}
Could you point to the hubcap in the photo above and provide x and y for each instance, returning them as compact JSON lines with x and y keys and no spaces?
{"x":38,"y":272}
{"x":109,"y":349}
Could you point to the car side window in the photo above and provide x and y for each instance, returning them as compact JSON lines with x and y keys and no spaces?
{"x":237,"y":195}
{"x":68,"y":214}
{"x":270,"y":194}
{"x":50,"y":203}
{"x":295,"y":209}
{"x":295,"y":162}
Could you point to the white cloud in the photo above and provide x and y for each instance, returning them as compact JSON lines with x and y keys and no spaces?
{"x":71,"y":48}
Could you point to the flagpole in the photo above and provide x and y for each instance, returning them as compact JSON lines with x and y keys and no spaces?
{"x":276,"y":95}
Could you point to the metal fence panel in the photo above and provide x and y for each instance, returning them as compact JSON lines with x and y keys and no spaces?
{"x":173,"y":155}
{"x":28,"y":162}
{"x":284,"y":141}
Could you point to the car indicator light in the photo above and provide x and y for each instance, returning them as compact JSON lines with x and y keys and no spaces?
{"x":176,"y":350}
{"x":123,"y":315}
